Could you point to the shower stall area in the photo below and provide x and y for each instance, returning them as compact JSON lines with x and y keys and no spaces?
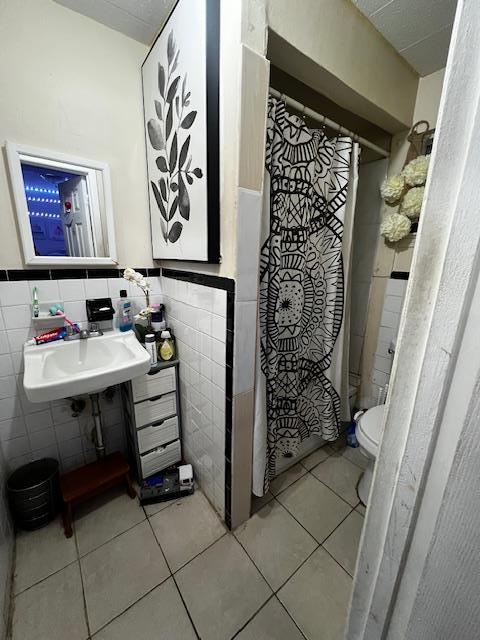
{"x":319,"y":230}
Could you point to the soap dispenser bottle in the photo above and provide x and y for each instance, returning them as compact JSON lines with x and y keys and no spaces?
{"x":125,"y":321}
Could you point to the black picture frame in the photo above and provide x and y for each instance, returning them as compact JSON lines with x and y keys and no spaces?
{"x":211,"y":10}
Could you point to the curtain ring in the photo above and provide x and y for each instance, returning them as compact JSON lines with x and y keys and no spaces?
{"x":283,"y":98}
{"x":303,"y":113}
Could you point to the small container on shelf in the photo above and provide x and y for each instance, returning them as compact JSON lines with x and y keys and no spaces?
{"x":43,"y":317}
{"x":166,"y":346}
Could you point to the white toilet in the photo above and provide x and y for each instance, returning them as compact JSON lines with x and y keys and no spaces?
{"x":369,"y":433}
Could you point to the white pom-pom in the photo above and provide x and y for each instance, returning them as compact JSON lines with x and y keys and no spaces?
{"x":392,"y":188}
{"x":412,"y":202}
{"x":415,"y":173}
{"x":395,"y":226}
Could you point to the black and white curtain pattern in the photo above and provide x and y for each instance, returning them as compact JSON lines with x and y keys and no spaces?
{"x":302,"y":287}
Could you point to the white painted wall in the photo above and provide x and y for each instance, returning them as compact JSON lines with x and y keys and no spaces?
{"x":72,"y":85}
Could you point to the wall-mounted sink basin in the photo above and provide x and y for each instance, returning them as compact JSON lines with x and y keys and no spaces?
{"x":63,"y":369}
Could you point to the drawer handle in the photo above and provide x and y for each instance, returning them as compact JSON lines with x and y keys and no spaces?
{"x":158,"y":423}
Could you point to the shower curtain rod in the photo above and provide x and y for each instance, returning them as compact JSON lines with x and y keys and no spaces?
{"x":298,"y":106}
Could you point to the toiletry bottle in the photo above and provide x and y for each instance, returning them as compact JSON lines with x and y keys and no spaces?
{"x":35,"y":305}
{"x":158,"y":318}
{"x":151,"y":347}
{"x":125,"y":322}
{"x":167,"y":346}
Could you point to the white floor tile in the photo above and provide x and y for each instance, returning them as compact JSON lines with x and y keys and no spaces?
{"x":120,"y":572}
{"x":317,"y":597}
{"x":52,"y":609}
{"x":272,"y":622}
{"x":152,"y":509}
{"x":317,"y":508}
{"x":260,"y":501}
{"x":356,"y":456}
{"x":41,"y":553}
{"x":105,"y":517}
{"x":186,"y":529}
{"x":286,"y":478}
{"x":343,"y":542}
{"x":341,"y":476}
{"x":222,"y":589}
{"x":160,"y":614}
{"x":320,"y":455}
{"x":276,"y":543}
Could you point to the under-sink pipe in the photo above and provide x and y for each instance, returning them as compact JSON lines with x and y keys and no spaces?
{"x":97,"y":419}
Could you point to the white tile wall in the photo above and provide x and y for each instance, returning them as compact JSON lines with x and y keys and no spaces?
{"x":197,"y":316}
{"x":32,"y":430}
{"x":390,"y":322}
{"x":366,"y":232}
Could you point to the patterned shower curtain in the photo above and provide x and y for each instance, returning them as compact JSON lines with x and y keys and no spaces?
{"x":302,"y":370}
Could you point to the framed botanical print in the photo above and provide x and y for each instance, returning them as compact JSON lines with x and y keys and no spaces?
{"x":181,"y":107}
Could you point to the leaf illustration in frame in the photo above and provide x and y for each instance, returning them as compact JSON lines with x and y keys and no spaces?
{"x":177,"y":106}
{"x":162,"y":164}
{"x":158,"y":109}
{"x":173,"y":208}
{"x":175,"y":62}
{"x":172,"y":90}
{"x":198,"y":172}
{"x":163,"y":227}
{"x":187,"y":168}
{"x":175,"y":231}
{"x":188,"y":120}
{"x":155,"y":134}
{"x":183,"y":199}
{"x":169,"y":122}
{"x":183,"y":152}
{"x":189,"y":178}
{"x":163,"y":188}
{"x":174,"y":187}
{"x":173,"y":154}
{"x":184,"y":84}
{"x":161,"y":80}
{"x":159,"y":200}
{"x":170,"y":47}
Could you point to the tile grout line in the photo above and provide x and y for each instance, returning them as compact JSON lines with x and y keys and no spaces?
{"x":117,"y":535}
{"x":174,"y":581}
{"x":274,"y":591}
{"x":118,"y":615}
{"x":35,"y":584}
{"x":200,"y":552}
{"x":85,"y":609}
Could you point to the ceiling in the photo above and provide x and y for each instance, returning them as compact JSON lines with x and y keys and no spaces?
{"x":138,"y":19}
{"x":418,"y":29}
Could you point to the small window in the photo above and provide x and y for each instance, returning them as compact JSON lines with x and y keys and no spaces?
{"x":63,"y":207}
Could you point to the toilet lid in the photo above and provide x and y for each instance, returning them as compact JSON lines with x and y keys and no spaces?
{"x":370,"y":424}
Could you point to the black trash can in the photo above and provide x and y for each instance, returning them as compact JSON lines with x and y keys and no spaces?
{"x":34,"y":493}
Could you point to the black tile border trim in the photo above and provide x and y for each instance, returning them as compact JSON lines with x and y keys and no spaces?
{"x":228,"y":285}
{"x":399,"y":275}
{"x":205,"y":279}
{"x":80,"y":273}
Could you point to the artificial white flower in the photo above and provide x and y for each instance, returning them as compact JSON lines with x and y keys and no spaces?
{"x":137,"y":278}
{"x":395,"y":226}
{"x":144,"y":313}
{"x":415,"y":173}
{"x":412,"y":202}
{"x":392,"y":188}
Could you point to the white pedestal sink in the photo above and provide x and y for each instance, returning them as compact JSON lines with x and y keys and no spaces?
{"x":71,"y":368}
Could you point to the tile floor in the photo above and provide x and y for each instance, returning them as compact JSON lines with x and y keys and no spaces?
{"x":173,"y":571}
